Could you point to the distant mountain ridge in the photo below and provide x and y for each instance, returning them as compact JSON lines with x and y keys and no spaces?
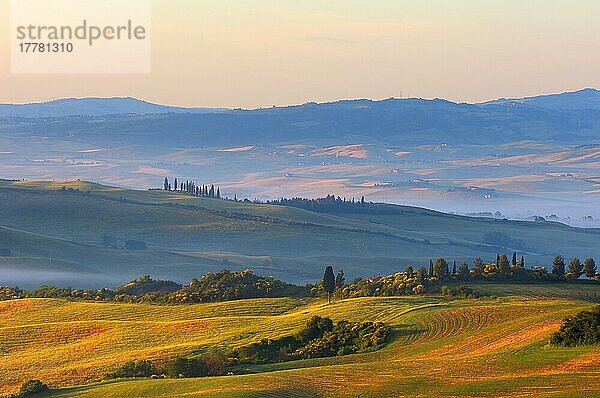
{"x":585,"y":99}
{"x":92,"y":106}
{"x":410,"y":121}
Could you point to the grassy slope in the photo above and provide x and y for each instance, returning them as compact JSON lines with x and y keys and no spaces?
{"x":189,"y":235}
{"x":486,"y":347}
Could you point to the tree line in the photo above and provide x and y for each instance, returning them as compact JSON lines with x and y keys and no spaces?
{"x":191,"y":188}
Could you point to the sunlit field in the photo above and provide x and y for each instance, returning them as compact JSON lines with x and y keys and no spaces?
{"x":492,"y":346}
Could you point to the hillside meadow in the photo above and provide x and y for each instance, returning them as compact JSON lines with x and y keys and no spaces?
{"x":493,"y":346}
{"x":56,"y":235}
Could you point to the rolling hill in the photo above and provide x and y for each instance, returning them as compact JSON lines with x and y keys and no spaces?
{"x":91,"y":107}
{"x":537,"y":155}
{"x":411,"y":122}
{"x":486,"y":348}
{"x":59,"y":233}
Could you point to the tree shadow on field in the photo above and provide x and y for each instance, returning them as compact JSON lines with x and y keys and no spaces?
{"x":405,"y":333}
{"x":288,"y":392}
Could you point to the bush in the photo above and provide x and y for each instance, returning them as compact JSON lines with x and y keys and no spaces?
{"x":319,"y":338}
{"x":31,"y":387}
{"x":581,"y":329}
{"x":140,"y":368}
{"x":207,"y":365}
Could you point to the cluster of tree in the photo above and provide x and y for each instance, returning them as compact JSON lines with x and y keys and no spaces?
{"x":330,"y":203}
{"x":500,"y":239}
{"x":201,"y":366}
{"x":146,"y":285}
{"x":581,"y":329}
{"x":410,"y":282}
{"x":29,"y":388}
{"x":110,"y":241}
{"x":504,"y":269}
{"x":227,"y":285}
{"x":319,"y":338}
{"x":219,"y":286}
{"x":191,"y":188}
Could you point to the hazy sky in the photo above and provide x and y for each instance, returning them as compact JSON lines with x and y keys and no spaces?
{"x":262,"y":53}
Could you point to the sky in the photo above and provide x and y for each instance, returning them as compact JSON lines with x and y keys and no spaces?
{"x":262,"y":53}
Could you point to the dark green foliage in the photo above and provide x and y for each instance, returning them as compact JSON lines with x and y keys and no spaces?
{"x":589,"y":267}
{"x":581,"y":329}
{"x":315,"y":328}
{"x":186,"y":367}
{"x":140,"y":368}
{"x":463,"y":271}
{"x":319,"y":338}
{"x":331,"y":204}
{"x":206,"y":365}
{"x":340,"y":280}
{"x":31,"y":387}
{"x":398,"y":284}
{"x":220,"y":286}
{"x":503,"y":265}
{"x":502,"y":240}
{"x":227,"y":285}
{"x":10,"y":293}
{"x":268,"y":350}
{"x":346,"y":338}
{"x":46,"y":291}
{"x":478,"y":264}
{"x":146,"y":284}
{"x":514,"y":259}
{"x":440,"y":268}
{"x":328,"y":282}
{"x":558,"y":266}
{"x":575,"y":268}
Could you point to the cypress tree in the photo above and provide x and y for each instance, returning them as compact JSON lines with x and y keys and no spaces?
{"x":558,"y":266}
{"x":329,"y":282}
{"x":522,"y":264}
{"x":440,"y":268}
{"x":175,"y":184}
{"x":575,"y":268}
{"x":218,"y":193}
{"x":589,"y":267}
{"x":166,"y":184}
{"x":514,"y":259}
{"x":503,"y":265}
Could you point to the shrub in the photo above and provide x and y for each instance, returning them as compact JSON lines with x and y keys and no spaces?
{"x":140,"y":368}
{"x":31,"y":387}
{"x":206,"y":365}
{"x":581,"y":329}
{"x":319,"y":338}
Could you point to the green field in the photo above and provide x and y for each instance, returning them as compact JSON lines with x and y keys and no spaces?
{"x":489,"y":347}
{"x":55,"y":237}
